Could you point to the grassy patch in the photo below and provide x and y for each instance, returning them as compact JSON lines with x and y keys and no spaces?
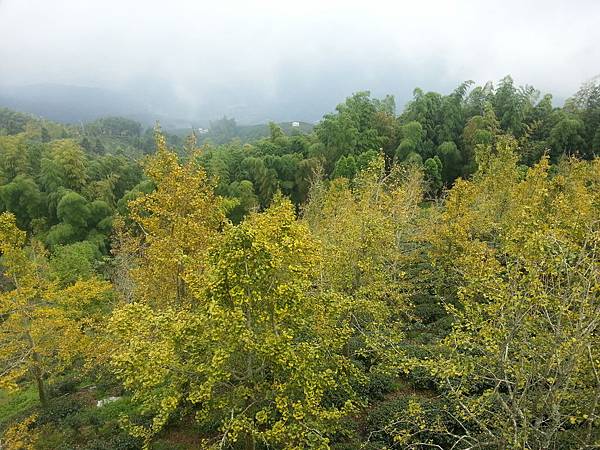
{"x":14,"y":405}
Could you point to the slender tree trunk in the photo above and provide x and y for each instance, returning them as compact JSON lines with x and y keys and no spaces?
{"x":41,"y":387}
{"x":36,"y":371}
{"x":250,"y":443}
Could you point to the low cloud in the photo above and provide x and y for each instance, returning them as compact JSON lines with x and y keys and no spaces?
{"x":293,"y":59}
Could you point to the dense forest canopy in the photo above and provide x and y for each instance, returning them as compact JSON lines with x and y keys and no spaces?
{"x":424,"y":278}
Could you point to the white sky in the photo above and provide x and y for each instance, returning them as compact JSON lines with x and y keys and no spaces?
{"x":198,"y":52}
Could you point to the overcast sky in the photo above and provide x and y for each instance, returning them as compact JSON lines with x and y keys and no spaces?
{"x":297,"y":58}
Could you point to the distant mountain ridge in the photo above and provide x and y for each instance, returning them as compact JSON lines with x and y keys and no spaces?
{"x":73,"y":104}
{"x":67,"y":104}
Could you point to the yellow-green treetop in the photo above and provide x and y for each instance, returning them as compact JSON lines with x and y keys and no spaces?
{"x":520,"y":251}
{"x":45,"y":327}
{"x":255,"y":353}
{"x":175,"y":226}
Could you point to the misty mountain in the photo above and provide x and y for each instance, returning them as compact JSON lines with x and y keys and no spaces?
{"x":68,"y":104}
{"x":72,"y":104}
{"x":147,"y":104}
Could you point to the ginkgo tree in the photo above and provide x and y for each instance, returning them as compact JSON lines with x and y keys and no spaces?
{"x":520,"y":368}
{"x":175,"y":225}
{"x":366,"y":230}
{"x":256,"y":353}
{"x":45,"y":326}
{"x":252,"y":348}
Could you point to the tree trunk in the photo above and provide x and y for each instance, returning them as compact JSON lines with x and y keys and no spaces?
{"x":36,"y":371}
{"x":250,"y":443}
{"x":41,"y":388}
